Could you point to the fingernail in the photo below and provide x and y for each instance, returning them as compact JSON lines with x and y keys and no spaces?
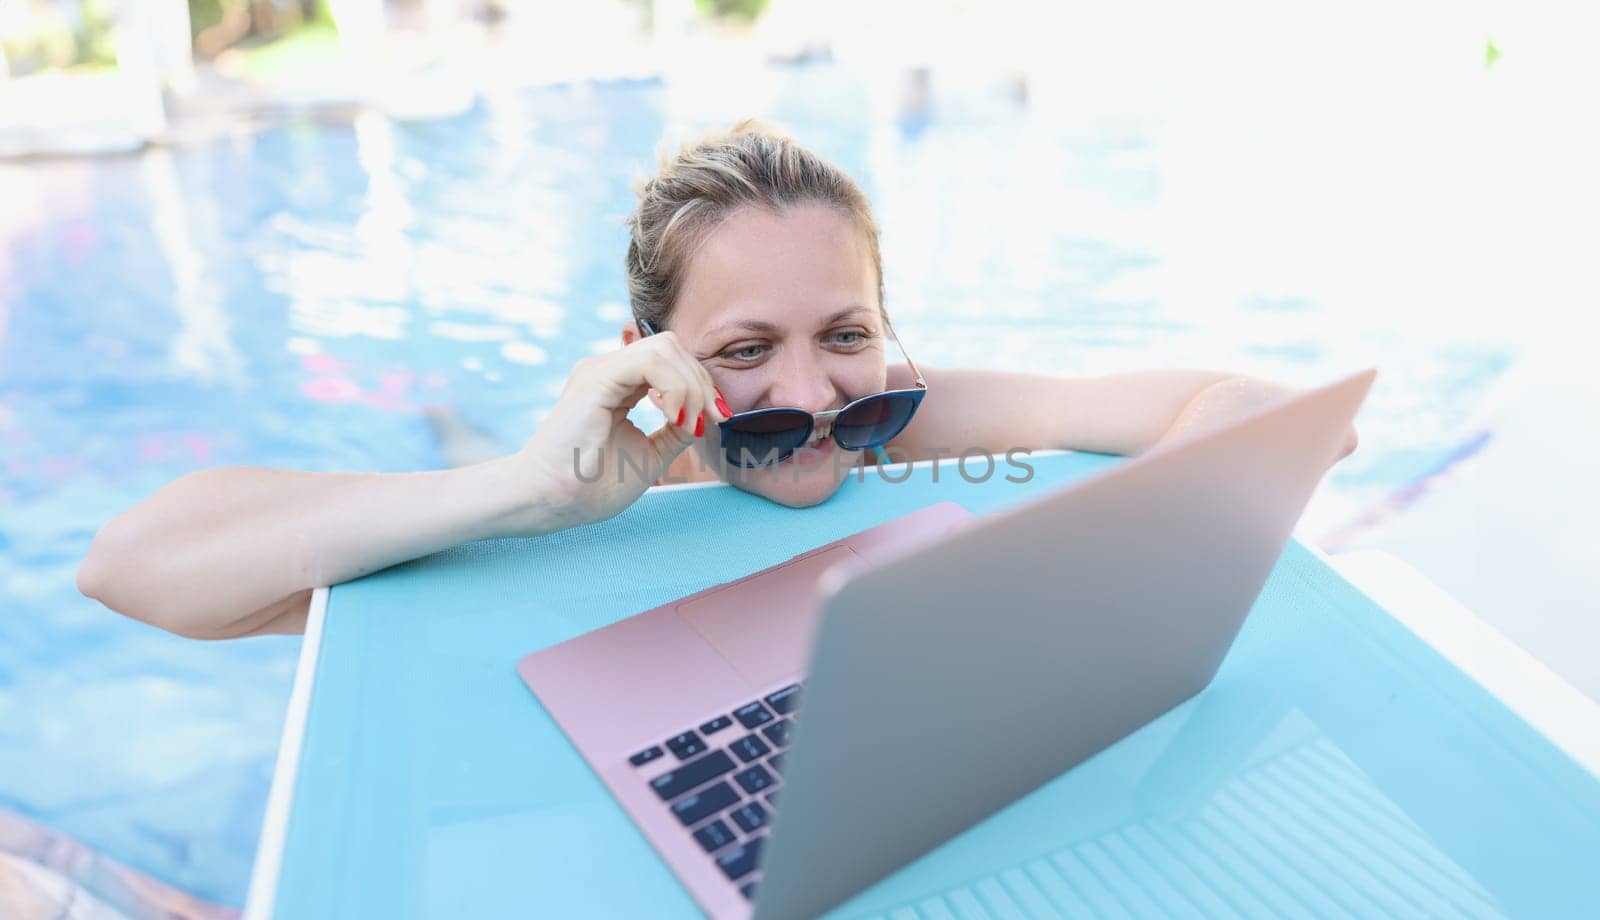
{"x":722,"y":404}
{"x":700,"y":424}
{"x":681,"y":416}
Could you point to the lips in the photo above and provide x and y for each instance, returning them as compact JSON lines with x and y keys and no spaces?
{"x":812,"y":454}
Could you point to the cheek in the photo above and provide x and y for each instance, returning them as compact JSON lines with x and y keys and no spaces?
{"x":862,"y":377}
{"x":740,"y":388}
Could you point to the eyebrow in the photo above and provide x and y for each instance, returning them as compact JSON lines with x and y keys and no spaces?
{"x":762,"y":326}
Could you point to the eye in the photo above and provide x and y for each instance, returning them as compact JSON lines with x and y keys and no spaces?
{"x":850,"y":337}
{"x":744,"y":352}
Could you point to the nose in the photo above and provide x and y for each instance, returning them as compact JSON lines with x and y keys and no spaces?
{"x":803,"y":381}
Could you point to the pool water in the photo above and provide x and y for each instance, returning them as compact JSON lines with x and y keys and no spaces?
{"x":293,"y":296}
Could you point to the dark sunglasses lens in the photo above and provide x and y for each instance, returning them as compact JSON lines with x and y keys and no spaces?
{"x":873,"y":421}
{"x":764,"y":439}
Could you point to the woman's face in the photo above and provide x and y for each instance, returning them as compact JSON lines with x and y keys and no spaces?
{"x":782,"y":310}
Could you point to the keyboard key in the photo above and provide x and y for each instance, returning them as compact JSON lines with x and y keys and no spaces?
{"x":776,"y":763}
{"x":686,"y":745}
{"x":714,"y":836}
{"x":778,"y":732}
{"x":749,"y":891}
{"x":715,"y":725}
{"x":692,"y":809}
{"x":749,"y":748}
{"x":741,"y":860}
{"x":752,"y":714}
{"x":694,"y":773}
{"x":784,"y":701}
{"x":645,"y":756}
{"x":750,"y":817}
{"x":754,"y":779}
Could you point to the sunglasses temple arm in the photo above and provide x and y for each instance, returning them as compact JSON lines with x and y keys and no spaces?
{"x":914,"y":369}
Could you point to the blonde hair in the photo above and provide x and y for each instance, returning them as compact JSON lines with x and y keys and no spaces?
{"x":750,"y":165}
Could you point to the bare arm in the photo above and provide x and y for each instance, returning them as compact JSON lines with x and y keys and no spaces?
{"x":1123,"y":414}
{"x":234,"y":551}
{"x":999,"y":410}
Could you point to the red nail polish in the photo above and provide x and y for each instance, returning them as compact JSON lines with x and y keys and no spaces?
{"x":700,"y":425}
{"x":681,"y":415}
{"x":722,"y":404}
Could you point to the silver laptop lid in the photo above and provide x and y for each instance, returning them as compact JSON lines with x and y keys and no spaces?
{"x":952,"y":680}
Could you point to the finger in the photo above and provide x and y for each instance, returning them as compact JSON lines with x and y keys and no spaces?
{"x":695,"y":397}
{"x":1351,"y":441}
{"x":695,"y":400}
{"x":666,"y":443}
{"x":708,"y":387}
{"x":622,"y":378}
{"x":686,"y":398}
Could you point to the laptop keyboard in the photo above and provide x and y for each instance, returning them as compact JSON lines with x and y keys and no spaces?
{"x":726,"y":789}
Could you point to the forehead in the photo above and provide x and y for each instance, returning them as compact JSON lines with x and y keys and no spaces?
{"x":809,"y":261}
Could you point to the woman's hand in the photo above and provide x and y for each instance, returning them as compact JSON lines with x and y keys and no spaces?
{"x":1236,"y":397}
{"x":588,"y":460}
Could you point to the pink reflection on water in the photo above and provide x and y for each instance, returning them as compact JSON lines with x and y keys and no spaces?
{"x":77,"y":239}
{"x":331,"y":389}
{"x":341,"y":381}
{"x":322,"y":364}
{"x":169,"y":446}
{"x":388,"y":402}
{"x":200,"y":446}
{"x":60,"y":466}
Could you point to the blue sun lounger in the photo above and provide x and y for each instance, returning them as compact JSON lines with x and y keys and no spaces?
{"x":1368,"y":747}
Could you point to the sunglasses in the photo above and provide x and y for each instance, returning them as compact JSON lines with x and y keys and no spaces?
{"x":763,"y":437}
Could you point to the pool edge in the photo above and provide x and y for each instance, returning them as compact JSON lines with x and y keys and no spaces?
{"x":1560,"y":712}
{"x":259,"y":901}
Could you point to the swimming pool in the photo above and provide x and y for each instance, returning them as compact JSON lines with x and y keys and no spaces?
{"x":292,"y":296}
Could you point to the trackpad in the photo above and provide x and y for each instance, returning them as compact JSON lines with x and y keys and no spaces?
{"x":764,"y":625}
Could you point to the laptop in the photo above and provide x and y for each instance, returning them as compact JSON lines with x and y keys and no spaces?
{"x":948,"y":663}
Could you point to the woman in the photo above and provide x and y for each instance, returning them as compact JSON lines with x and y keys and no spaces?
{"x":755,"y":265}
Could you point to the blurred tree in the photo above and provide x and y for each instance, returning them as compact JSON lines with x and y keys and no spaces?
{"x":93,"y":35}
{"x":68,"y":33}
{"x":58,"y":34}
{"x":217,"y":25}
{"x":747,"y":10}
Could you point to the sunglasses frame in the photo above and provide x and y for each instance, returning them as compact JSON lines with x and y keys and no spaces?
{"x":915,"y":393}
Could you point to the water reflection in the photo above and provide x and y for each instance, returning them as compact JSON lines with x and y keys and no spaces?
{"x":1301,"y":834}
{"x":382,"y":227}
{"x":203,"y":346}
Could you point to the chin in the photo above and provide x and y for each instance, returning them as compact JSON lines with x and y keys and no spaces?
{"x":796,"y":488}
{"x":801,"y":494}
